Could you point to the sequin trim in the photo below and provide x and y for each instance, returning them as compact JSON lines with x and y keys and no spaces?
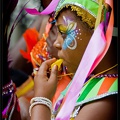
{"x":95,"y":1}
{"x":96,"y":98}
{"x":8,"y":89}
{"x":78,"y":105}
{"x":87,"y":16}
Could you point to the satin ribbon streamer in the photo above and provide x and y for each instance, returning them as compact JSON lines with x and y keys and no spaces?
{"x":50,"y":8}
{"x":94,"y":53}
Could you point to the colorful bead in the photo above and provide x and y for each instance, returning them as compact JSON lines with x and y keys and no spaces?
{"x":8,"y":89}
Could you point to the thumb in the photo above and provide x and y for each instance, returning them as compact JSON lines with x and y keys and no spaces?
{"x":54,"y":73}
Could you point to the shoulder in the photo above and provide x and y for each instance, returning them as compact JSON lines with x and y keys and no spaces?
{"x":102,"y":109}
{"x":98,"y":88}
{"x":97,"y":97}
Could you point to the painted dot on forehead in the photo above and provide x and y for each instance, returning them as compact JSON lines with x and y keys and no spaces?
{"x":77,"y":31}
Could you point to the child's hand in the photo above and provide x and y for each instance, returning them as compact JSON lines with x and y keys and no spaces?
{"x":45,"y":86}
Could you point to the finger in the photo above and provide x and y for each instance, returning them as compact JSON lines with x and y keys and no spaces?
{"x":45,"y":65}
{"x":53,"y":75}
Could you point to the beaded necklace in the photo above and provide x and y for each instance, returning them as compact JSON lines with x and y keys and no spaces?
{"x":98,"y":75}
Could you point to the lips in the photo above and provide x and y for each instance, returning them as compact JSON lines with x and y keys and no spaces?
{"x":59,"y":55}
{"x":52,"y":51}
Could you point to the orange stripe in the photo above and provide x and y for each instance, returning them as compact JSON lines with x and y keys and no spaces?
{"x":62,"y":84}
{"x":106,"y":85}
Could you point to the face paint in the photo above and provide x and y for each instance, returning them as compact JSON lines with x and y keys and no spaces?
{"x":69,"y":33}
{"x":70,"y":41}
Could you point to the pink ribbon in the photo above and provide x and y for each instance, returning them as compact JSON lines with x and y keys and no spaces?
{"x":50,"y":8}
{"x":94,"y":49}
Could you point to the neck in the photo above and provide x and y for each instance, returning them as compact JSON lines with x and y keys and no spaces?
{"x":109,"y":60}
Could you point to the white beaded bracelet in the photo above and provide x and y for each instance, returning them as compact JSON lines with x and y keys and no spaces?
{"x":40,"y":100}
{"x":36,"y":99}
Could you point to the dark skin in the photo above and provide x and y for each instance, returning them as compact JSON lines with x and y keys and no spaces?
{"x":103,"y":109}
{"x":50,"y":40}
{"x":108,"y":112}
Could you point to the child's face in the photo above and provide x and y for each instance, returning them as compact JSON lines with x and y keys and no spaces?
{"x":73,"y":37}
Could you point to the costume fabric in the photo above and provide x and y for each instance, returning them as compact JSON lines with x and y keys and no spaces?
{"x":95,"y":89}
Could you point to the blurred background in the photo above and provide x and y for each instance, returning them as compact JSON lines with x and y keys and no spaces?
{"x":26,"y":20}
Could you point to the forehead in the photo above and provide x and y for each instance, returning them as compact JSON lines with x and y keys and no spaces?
{"x":67,"y":14}
{"x":72,"y":16}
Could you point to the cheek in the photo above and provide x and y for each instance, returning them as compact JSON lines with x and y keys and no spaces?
{"x":70,"y":41}
{"x":72,"y":56}
{"x":72,"y":60}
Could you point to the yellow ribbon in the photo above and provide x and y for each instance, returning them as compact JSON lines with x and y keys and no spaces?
{"x":98,"y":19}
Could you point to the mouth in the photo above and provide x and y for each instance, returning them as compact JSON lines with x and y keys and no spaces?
{"x":59,"y":56}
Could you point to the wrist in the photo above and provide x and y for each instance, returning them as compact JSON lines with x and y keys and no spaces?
{"x":40,"y":101}
{"x":40,"y":94}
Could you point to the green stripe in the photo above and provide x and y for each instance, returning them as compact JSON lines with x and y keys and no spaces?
{"x":84,"y":87}
{"x":66,"y":89}
{"x":89,"y":87}
{"x":114,"y":86}
{"x":96,"y":88}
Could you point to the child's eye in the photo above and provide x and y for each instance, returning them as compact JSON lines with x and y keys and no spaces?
{"x":63,"y":34}
{"x":62,"y":30}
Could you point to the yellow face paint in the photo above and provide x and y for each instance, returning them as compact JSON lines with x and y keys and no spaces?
{"x":68,"y":32}
{"x":62,"y":28}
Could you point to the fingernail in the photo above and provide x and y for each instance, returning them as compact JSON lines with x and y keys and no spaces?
{"x":55,"y":67}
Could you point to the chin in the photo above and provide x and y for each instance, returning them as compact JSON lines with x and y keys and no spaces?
{"x":69,"y":68}
{"x":65,"y":64}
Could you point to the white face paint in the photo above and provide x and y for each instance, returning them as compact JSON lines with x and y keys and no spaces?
{"x":71,"y":34}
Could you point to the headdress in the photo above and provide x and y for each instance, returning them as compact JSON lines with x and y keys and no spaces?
{"x":87,"y":9}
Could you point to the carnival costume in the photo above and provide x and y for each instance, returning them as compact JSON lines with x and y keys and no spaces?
{"x":79,"y":92}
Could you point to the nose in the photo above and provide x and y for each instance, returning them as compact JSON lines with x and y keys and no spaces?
{"x":58,"y":42}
